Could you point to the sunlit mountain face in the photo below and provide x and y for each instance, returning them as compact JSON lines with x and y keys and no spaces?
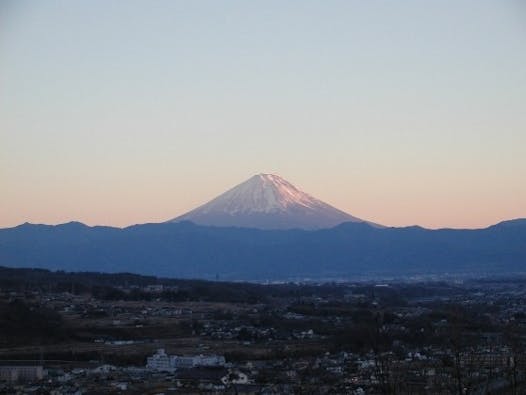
{"x":267,"y":201}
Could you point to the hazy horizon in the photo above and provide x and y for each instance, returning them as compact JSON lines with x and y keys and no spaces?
{"x":118,"y":113}
{"x":172,"y":219}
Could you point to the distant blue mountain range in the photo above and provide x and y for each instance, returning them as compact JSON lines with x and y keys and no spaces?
{"x":186,"y":250}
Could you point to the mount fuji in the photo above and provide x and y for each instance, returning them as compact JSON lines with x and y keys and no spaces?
{"x":267,"y":201}
{"x":265,"y":228}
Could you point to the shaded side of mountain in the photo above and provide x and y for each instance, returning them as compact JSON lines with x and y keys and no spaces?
{"x":187,"y":250}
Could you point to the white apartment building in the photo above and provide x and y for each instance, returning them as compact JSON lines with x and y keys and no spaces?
{"x":159,"y":361}
{"x":164,"y":362}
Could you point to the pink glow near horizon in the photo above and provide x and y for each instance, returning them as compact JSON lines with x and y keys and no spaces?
{"x":121,"y":113}
{"x":151,"y":205}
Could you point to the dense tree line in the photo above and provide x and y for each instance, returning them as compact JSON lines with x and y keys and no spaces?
{"x":21,"y":322}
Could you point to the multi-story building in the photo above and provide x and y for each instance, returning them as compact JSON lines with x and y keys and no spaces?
{"x":21,"y":373}
{"x":162,"y":361}
{"x":159,"y":361}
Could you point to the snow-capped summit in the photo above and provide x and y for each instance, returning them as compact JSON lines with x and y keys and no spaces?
{"x":267,"y":201}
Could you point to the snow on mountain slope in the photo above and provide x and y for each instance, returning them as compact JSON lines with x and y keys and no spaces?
{"x":267,"y":201}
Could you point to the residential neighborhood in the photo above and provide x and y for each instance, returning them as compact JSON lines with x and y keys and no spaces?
{"x":418,"y":336}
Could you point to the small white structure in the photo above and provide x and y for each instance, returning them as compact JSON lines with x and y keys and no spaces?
{"x":103,"y":369}
{"x":197,"y":360}
{"x":154,"y":288}
{"x":235,"y":377}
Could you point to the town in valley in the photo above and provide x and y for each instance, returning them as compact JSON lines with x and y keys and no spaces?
{"x":90,"y":333}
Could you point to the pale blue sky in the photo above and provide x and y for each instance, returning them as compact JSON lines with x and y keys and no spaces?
{"x":400,"y":112}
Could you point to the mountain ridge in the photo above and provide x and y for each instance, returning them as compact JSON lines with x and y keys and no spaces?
{"x":510,"y":222}
{"x":187,"y":250}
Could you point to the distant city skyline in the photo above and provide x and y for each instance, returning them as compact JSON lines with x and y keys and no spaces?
{"x":401,"y":113}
